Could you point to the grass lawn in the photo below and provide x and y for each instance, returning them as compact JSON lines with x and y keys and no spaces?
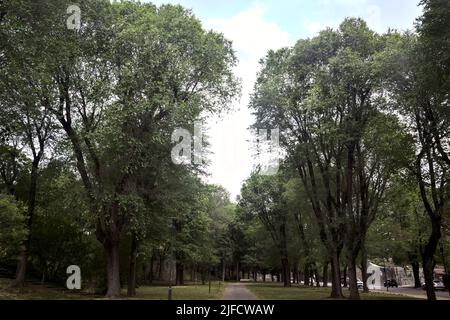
{"x":192,"y":291}
{"x":275,"y":291}
{"x":39,"y":292}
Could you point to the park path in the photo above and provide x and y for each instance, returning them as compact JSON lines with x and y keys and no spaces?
{"x":238,"y":291}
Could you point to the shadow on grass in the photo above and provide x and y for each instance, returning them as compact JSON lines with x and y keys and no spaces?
{"x":275,"y":291}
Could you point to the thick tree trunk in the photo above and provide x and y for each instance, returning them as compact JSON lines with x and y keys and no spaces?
{"x":428,"y":258}
{"x":113,"y":265}
{"x":132,"y":272}
{"x":286,"y":273}
{"x":416,"y":274}
{"x":23,"y":256}
{"x":352,"y":279}
{"x":428,"y":274}
{"x":336,"y":289}
{"x":21,"y":268}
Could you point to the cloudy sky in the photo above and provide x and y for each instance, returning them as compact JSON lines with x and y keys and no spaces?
{"x":260,"y":25}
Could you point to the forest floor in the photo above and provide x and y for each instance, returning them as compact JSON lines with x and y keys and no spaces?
{"x":35,"y":291}
{"x":276,"y":291}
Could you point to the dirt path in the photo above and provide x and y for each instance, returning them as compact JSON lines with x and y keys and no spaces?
{"x":238,"y":291}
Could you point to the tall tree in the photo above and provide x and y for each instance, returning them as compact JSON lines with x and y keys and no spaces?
{"x":326,"y":94}
{"x":263,"y":197}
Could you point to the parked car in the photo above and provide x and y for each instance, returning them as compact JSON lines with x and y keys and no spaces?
{"x":438,"y":285}
{"x":360,"y":284}
{"x":391,"y":283}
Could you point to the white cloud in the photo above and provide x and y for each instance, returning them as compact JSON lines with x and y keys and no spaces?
{"x":250,"y":33}
{"x":314,"y":27}
{"x":252,"y":36}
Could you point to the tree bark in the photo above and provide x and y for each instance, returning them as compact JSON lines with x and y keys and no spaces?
{"x":150,"y":274}
{"x":428,"y":258}
{"x":344,"y":280}
{"x":113,"y":265}
{"x":295,"y":272}
{"x":179,"y":274}
{"x":352,"y":279}
{"x":416,"y":274}
{"x":306,"y":275}
{"x":23,"y":256}
{"x":286,"y":273}
{"x":364,"y":274}
{"x":336,"y":288}
{"x":132,"y":272}
{"x":325,"y":274}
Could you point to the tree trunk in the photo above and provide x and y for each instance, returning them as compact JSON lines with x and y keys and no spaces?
{"x":132,"y":271}
{"x":364,"y":274}
{"x":179,"y":274}
{"x":306,"y":275}
{"x":345,"y":284}
{"x":336,"y":288}
{"x":203,"y":276}
{"x":316,"y":275}
{"x":21,"y":268}
{"x":295,"y":273}
{"x":223,"y":270}
{"x":325,"y":275}
{"x":160,"y":267}
{"x":23,"y":256}
{"x":150,"y":274}
{"x":286,"y":272}
{"x":113,"y":265}
{"x":428,"y":258}
{"x":416,"y":273}
{"x":352,"y":279}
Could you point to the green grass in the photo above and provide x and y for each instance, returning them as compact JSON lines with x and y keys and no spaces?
{"x":39,"y":292}
{"x":191,"y":291}
{"x":275,"y":291}
{"x":194,"y":291}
